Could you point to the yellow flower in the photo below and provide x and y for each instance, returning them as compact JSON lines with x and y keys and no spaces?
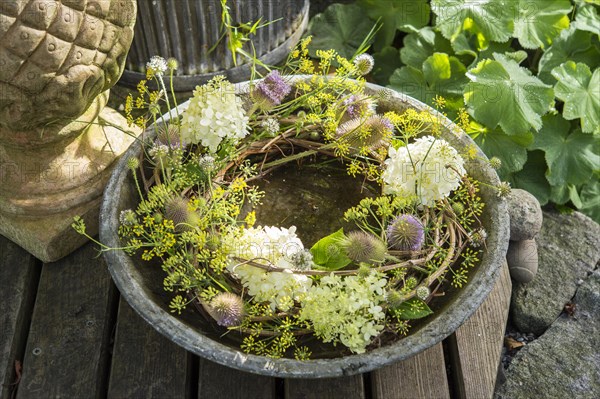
{"x":250,"y":219}
{"x":238,"y":185}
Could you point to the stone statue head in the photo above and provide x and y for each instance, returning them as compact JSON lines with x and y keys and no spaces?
{"x":56,"y":57}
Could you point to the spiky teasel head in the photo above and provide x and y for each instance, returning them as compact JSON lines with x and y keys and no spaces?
{"x":176,"y":209}
{"x":356,"y":106}
{"x":169,"y":136}
{"x":227,"y":309}
{"x":364,"y":247}
{"x":405,"y":233}
{"x":372,"y":132}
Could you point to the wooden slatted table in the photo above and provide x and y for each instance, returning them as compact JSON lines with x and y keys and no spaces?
{"x":64,"y":332}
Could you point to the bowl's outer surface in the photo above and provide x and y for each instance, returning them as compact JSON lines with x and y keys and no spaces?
{"x":142,"y":288}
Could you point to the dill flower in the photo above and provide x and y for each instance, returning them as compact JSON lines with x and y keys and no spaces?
{"x":364,"y":247}
{"x":227,"y":309}
{"x":405,"y":233}
{"x":215,"y":114}
{"x":270,"y":91}
{"x":372,"y":132}
{"x":428,"y":167}
{"x":158,"y":65}
{"x":364,"y":63}
{"x":269,"y":246}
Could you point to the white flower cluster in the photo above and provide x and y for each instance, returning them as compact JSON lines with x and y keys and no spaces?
{"x":428,"y":168}
{"x":215,"y":113}
{"x":346,"y":309}
{"x":275,"y":246}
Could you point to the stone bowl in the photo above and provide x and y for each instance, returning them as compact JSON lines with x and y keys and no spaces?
{"x":141,"y":283}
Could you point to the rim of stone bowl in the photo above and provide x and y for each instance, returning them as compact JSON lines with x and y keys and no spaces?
{"x":437,"y":327}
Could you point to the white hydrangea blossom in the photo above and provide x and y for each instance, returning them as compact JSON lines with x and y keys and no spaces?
{"x":428,"y":168}
{"x":269,"y":245}
{"x":346,"y":309}
{"x":215,"y":113}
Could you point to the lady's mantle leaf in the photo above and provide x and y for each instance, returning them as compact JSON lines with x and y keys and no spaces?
{"x":503,"y":93}
{"x":587,"y":19}
{"x":590,"y":196}
{"x":341,"y":27}
{"x":533,"y":177}
{"x":489,"y":19}
{"x":418,"y":46}
{"x":386,"y":62}
{"x":404,"y":15}
{"x":572,"y":44}
{"x":512,"y":150}
{"x":580,"y":90}
{"x":539,"y":21}
{"x":413,"y":309}
{"x":328,"y":253}
{"x":572,"y":156}
{"x":440,"y":74}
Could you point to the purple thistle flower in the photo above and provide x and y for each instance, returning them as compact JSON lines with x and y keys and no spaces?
{"x":405,"y":233}
{"x":271,"y":90}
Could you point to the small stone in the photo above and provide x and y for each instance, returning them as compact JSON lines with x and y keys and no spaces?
{"x":525,"y":215}
{"x":522,"y":258}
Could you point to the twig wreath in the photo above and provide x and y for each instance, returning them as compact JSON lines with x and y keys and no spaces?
{"x":359,"y":288}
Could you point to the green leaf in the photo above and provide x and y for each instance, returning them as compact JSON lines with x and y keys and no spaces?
{"x":404,"y":15}
{"x":501,"y":93}
{"x":341,"y":27}
{"x":539,"y":21}
{"x":422,"y":44}
{"x":580,"y":90}
{"x":441,"y":75}
{"x":386,"y":62}
{"x":489,"y":20}
{"x":466,"y":44}
{"x":533,"y":177}
{"x":572,"y":44}
{"x":572,"y":156}
{"x":413,"y":309}
{"x":328,"y":253}
{"x":587,"y":19}
{"x":562,"y":194}
{"x":512,"y":150}
{"x":590,"y":197}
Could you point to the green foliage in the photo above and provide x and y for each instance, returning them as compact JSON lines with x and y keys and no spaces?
{"x":513,"y":64}
{"x":328,"y":252}
{"x":501,"y":87}
{"x":341,"y":27}
{"x":580,"y":91}
{"x":412,"y":309}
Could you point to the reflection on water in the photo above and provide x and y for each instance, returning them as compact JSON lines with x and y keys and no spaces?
{"x":310,"y":198}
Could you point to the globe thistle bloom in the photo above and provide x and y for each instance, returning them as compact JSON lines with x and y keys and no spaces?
{"x":302,"y":260}
{"x":207,"y":163}
{"x":227,"y":309}
{"x":405,"y":233}
{"x":215,"y":113}
{"x":158,"y":65}
{"x":172,"y":64}
{"x":372,"y":132}
{"x":478,"y":237}
{"x":364,"y":63}
{"x":503,"y":189}
{"x":495,"y":163}
{"x":428,"y":168}
{"x":133,"y":163}
{"x":270,"y":91}
{"x":422,"y":292}
{"x":364,"y":247}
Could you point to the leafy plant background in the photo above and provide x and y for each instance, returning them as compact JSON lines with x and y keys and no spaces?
{"x":527,"y":71}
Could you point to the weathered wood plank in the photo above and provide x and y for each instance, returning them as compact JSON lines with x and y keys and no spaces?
{"x":145,"y":364}
{"x":19,"y":274}
{"x":422,"y":376}
{"x":67,"y":348}
{"x":477,"y":345}
{"x":216,"y":381}
{"x":343,"y":387}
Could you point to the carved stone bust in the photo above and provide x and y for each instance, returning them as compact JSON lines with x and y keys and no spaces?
{"x":57,"y":141}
